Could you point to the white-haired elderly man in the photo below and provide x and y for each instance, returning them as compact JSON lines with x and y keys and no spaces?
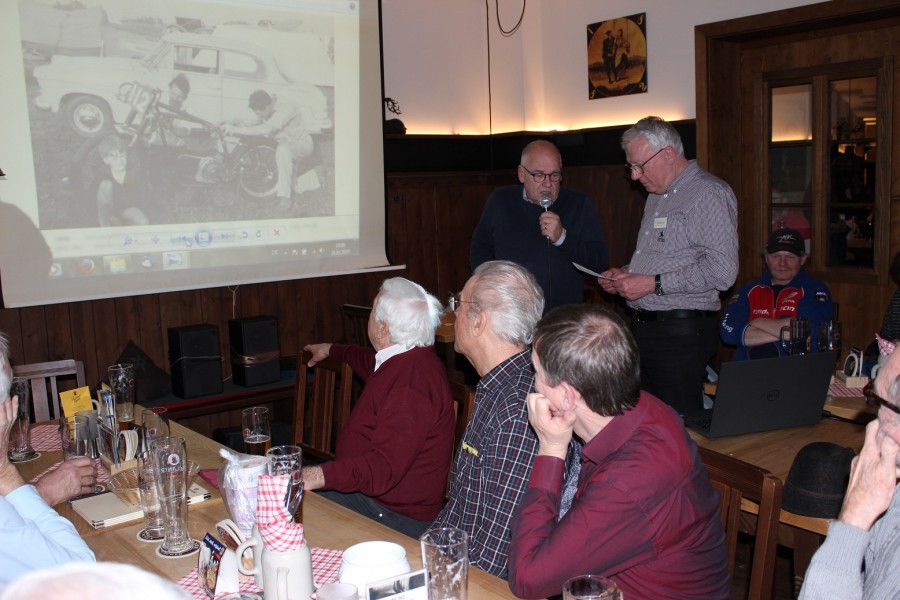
{"x":495,"y":317}
{"x":393,"y":455}
{"x":861,"y":555}
{"x":33,"y":534}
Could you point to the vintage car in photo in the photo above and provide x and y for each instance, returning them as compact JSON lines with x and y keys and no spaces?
{"x":223,"y":71}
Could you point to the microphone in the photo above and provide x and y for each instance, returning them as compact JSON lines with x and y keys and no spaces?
{"x":545,"y":201}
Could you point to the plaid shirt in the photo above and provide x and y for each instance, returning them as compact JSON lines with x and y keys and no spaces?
{"x":689,"y":237}
{"x":493,"y":465}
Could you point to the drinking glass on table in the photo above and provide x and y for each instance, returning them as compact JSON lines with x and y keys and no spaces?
{"x":75,"y":436}
{"x":155,"y":423}
{"x":257,"y":435}
{"x":288,"y":460}
{"x":154,"y":528}
{"x":121,"y":382}
{"x":445,"y":556}
{"x":591,"y":587}
{"x":829,"y":336}
{"x":20,"y":435}
{"x":170,"y":468}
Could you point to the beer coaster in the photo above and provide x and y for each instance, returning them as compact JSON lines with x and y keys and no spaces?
{"x":27,"y":458}
{"x":144,"y":536}
{"x":194,"y":547}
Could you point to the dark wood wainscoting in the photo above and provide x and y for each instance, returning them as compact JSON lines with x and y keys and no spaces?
{"x":430,"y":220}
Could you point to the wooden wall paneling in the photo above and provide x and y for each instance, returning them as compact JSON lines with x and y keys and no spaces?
{"x":288,"y":324}
{"x":151,"y":331}
{"x":34,"y":334}
{"x":84,"y":340}
{"x":59,"y":332}
{"x":128,"y":321}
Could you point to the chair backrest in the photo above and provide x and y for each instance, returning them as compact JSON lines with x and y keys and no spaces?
{"x":735,"y":480}
{"x":356,"y":324}
{"x":322,"y":405}
{"x":45,"y":387}
{"x":463,"y":402}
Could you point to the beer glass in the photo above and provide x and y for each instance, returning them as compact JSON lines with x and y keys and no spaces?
{"x":445,"y":556}
{"x":829,"y":337}
{"x":170,"y":468}
{"x":591,"y":587}
{"x":798,"y":342}
{"x":20,"y":435}
{"x":288,"y":460}
{"x":257,"y":436}
{"x":155,"y":423}
{"x":121,"y":382}
{"x":75,"y":436}
{"x":154,"y":528}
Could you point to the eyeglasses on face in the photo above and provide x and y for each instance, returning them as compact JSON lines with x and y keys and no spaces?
{"x":455,"y":302}
{"x":873,"y":399}
{"x":538,"y":176}
{"x":639,"y":169}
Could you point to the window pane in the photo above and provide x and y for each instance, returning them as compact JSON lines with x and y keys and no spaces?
{"x":790,"y":170}
{"x":852,"y":150}
{"x":792,"y":113}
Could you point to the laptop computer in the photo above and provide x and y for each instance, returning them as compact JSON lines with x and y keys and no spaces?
{"x":767,"y":394}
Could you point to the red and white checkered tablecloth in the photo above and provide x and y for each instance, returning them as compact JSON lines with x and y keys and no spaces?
{"x":45,"y":438}
{"x":326,"y":564}
{"x":839,"y":389}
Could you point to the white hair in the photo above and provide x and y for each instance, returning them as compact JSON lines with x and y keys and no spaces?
{"x":92,"y":581}
{"x":658,"y":133}
{"x":513,"y":297}
{"x":410,"y":311}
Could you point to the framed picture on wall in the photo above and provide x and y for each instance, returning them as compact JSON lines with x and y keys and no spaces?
{"x":617,"y":57}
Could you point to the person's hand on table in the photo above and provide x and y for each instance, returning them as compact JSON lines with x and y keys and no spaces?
{"x":313,"y":478}
{"x":319,"y":352}
{"x":73,"y":478}
{"x":873,"y":478}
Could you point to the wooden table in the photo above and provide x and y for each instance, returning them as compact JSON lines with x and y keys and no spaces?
{"x":775,"y":451}
{"x":327,"y":525}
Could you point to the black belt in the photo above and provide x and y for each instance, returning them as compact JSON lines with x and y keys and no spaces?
{"x":650,"y":316}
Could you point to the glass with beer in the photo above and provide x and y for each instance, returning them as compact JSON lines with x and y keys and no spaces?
{"x":257,"y":436}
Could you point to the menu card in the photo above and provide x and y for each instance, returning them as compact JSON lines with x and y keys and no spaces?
{"x":107,"y":509}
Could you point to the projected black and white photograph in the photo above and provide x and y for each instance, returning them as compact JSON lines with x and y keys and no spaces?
{"x":617,"y":57}
{"x":151,"y":113}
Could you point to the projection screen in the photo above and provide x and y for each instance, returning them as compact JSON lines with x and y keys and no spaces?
{"x":183,"y":144}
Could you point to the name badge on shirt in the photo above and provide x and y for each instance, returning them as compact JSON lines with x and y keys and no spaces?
{"x":660,"y":222}
{"x":469,"y":449}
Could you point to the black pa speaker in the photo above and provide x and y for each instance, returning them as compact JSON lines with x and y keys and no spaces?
{"x":255,"y":358}
{"x":194,"y":361}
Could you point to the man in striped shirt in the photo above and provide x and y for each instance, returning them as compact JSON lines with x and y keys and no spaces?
{"x":686,"y":254}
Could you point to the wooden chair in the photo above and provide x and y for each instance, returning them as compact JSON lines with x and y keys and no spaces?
{"x":463,"y":402}
{"x":735,"y":480}
{"x":45,"y":385}
{"x":322,"y":406}
{"x":356,"y":324}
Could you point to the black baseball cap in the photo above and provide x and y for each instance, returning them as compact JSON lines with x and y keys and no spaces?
{"x":788,"y":240}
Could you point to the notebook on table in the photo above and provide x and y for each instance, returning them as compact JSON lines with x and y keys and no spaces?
{"x":767,"y":394}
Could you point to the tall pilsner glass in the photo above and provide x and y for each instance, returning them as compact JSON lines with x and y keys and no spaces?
{"x":20,"y":435}
{"x":170,"y":464}
{"x":121,"y":382}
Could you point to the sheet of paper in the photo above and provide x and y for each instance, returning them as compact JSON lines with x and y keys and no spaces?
{"x":589,"y":272}
{"x":75,"y":400}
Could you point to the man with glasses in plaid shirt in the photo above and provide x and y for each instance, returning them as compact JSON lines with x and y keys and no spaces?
{"x":543,"y":227}
{"x":495,"y":317}
{"x":686,"y":254}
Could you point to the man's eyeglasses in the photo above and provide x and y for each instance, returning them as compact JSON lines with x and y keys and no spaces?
{"x":639,"y":169}
{"x":455,"y":302}
{"x":555,"y":176}
{"x":873,"y":399}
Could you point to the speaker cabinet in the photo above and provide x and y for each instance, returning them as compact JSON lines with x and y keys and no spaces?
{"x":194,"y":360}
{"x":255,"y":357}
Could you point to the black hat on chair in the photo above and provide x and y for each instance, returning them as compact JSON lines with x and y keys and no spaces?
{"x":817,"y":480}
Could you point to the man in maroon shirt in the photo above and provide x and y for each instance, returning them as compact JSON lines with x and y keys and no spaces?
{"x":645,"y":514}
{"x":393,"y":455}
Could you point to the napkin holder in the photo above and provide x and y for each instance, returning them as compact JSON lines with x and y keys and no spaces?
{"x":217,"y":571}
{"x":108,"y":450}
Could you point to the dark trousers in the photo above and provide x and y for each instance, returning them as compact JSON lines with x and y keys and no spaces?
{"x":369,"y":508}
{"x":674,"y":355}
